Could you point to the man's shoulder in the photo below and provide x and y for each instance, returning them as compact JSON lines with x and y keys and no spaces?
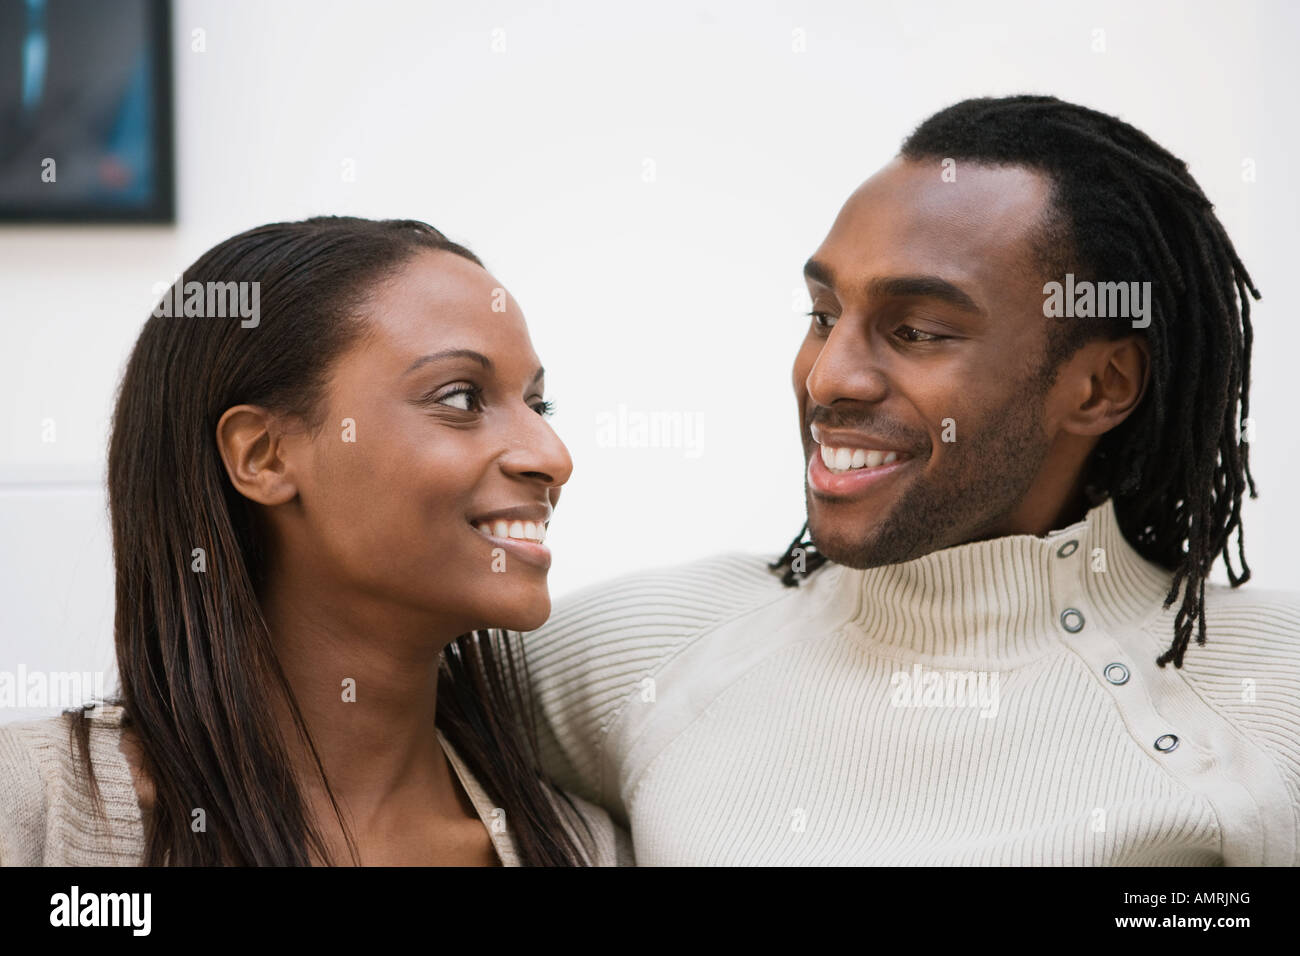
{"x":1250,"y":628}
{"x":657,"y":607}
{"x":1252,"y":634}
{"x":1271,"y":609}
{"x":1249,"y":669}
{"x":604,"y":640}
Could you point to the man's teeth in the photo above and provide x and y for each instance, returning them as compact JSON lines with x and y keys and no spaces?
{"x":524,"y":530}
{"x":847,"y":459}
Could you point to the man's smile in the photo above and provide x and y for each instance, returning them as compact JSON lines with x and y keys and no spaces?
{"x":834,"y":482}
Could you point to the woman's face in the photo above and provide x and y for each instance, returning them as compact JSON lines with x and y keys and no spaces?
{"x":435,"y":466}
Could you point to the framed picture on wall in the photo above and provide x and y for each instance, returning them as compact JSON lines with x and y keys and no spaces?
{"x":86,"y":111}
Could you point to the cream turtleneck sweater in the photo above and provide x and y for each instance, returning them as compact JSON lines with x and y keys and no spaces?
{"x":995,"y":703}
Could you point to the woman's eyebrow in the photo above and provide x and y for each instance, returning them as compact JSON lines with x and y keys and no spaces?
{"x":463,"y":353}
{"x":450,"y":353}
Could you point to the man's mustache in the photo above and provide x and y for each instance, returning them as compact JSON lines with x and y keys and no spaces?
{"x":889,"y":432}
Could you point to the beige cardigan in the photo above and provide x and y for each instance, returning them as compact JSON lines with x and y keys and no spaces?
{"x":47,"y":818}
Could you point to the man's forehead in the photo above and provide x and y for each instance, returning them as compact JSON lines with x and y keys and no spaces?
{"x":943,"y":185}
{"x":976,"y":220}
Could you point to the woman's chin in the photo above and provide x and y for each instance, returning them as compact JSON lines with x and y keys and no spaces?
{"x":525,"y":616}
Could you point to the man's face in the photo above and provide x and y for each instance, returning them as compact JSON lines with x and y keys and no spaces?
{"x":927,"y":341}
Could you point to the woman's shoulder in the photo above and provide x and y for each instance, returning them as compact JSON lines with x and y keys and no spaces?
{"x":23,"y":789}
{"x":48,"y":812}
{"x":612,"y":845}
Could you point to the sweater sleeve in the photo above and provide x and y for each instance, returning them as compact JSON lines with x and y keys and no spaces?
{"x":601,"y":645}
{"x":22,"y":802}
{"x":1249,"y":672}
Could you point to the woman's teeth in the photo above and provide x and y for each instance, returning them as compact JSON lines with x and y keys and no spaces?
{"x":847,"y":459}
{"x":523,"y":530}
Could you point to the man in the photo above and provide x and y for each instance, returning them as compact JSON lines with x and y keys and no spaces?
{"x":1014,"y":472}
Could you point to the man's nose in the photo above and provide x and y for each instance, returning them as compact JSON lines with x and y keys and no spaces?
{"x":846,"y":367}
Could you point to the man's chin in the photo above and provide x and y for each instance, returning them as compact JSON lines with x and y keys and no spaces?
{"x":857,"y":549}
{"x":902,"y":530}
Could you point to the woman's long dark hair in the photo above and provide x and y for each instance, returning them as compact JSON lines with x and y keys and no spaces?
{"x":194,"y":654}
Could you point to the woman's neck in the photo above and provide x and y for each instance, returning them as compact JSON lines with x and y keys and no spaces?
{"x":365,"y":679}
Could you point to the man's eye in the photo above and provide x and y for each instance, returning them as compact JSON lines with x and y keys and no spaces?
{"x":909,"y":334}
{"x":823,"y":320}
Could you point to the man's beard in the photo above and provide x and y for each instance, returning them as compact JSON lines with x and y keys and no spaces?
{"x":994,"y":473}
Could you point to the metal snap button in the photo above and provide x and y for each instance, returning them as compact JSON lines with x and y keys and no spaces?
{"x":1072,"y":620}
{"x":1116,"y":673}
{"x":1166,"y":743}
{"x":1067,"y":549}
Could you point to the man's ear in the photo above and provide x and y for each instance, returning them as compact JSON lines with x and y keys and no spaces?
{"x":252,"y":446}
{"x":1107,"y":380}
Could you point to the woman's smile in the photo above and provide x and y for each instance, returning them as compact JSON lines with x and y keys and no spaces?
{"x":520,"y":530}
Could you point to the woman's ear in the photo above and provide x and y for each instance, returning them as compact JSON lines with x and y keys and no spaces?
{"x":253,"y":449}
{"x":1112,"y":380}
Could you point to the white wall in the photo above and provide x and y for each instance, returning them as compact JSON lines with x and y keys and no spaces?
{"x":667,"y":295}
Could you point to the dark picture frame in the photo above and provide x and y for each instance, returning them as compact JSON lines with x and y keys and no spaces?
{"x":56,"y":104}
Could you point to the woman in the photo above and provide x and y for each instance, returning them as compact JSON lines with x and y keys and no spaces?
{"x":318,"y":510}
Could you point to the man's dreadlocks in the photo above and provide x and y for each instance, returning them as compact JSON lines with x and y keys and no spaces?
{"x":1124,"y":208}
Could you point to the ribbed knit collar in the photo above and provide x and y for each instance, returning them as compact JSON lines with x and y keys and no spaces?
{"x":1001,"y":600}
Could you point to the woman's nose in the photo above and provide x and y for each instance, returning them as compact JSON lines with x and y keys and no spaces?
{"x":539,"y":453}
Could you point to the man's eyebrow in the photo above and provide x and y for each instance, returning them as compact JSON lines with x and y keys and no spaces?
{"x":930,"y":287}
{"x":818,"y":272}
{"x":919,"y":286}
{"x":463,"y":353}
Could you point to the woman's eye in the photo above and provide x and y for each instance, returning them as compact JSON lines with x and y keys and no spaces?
{"x":465,"y":399}
{"x":545,"y":409}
